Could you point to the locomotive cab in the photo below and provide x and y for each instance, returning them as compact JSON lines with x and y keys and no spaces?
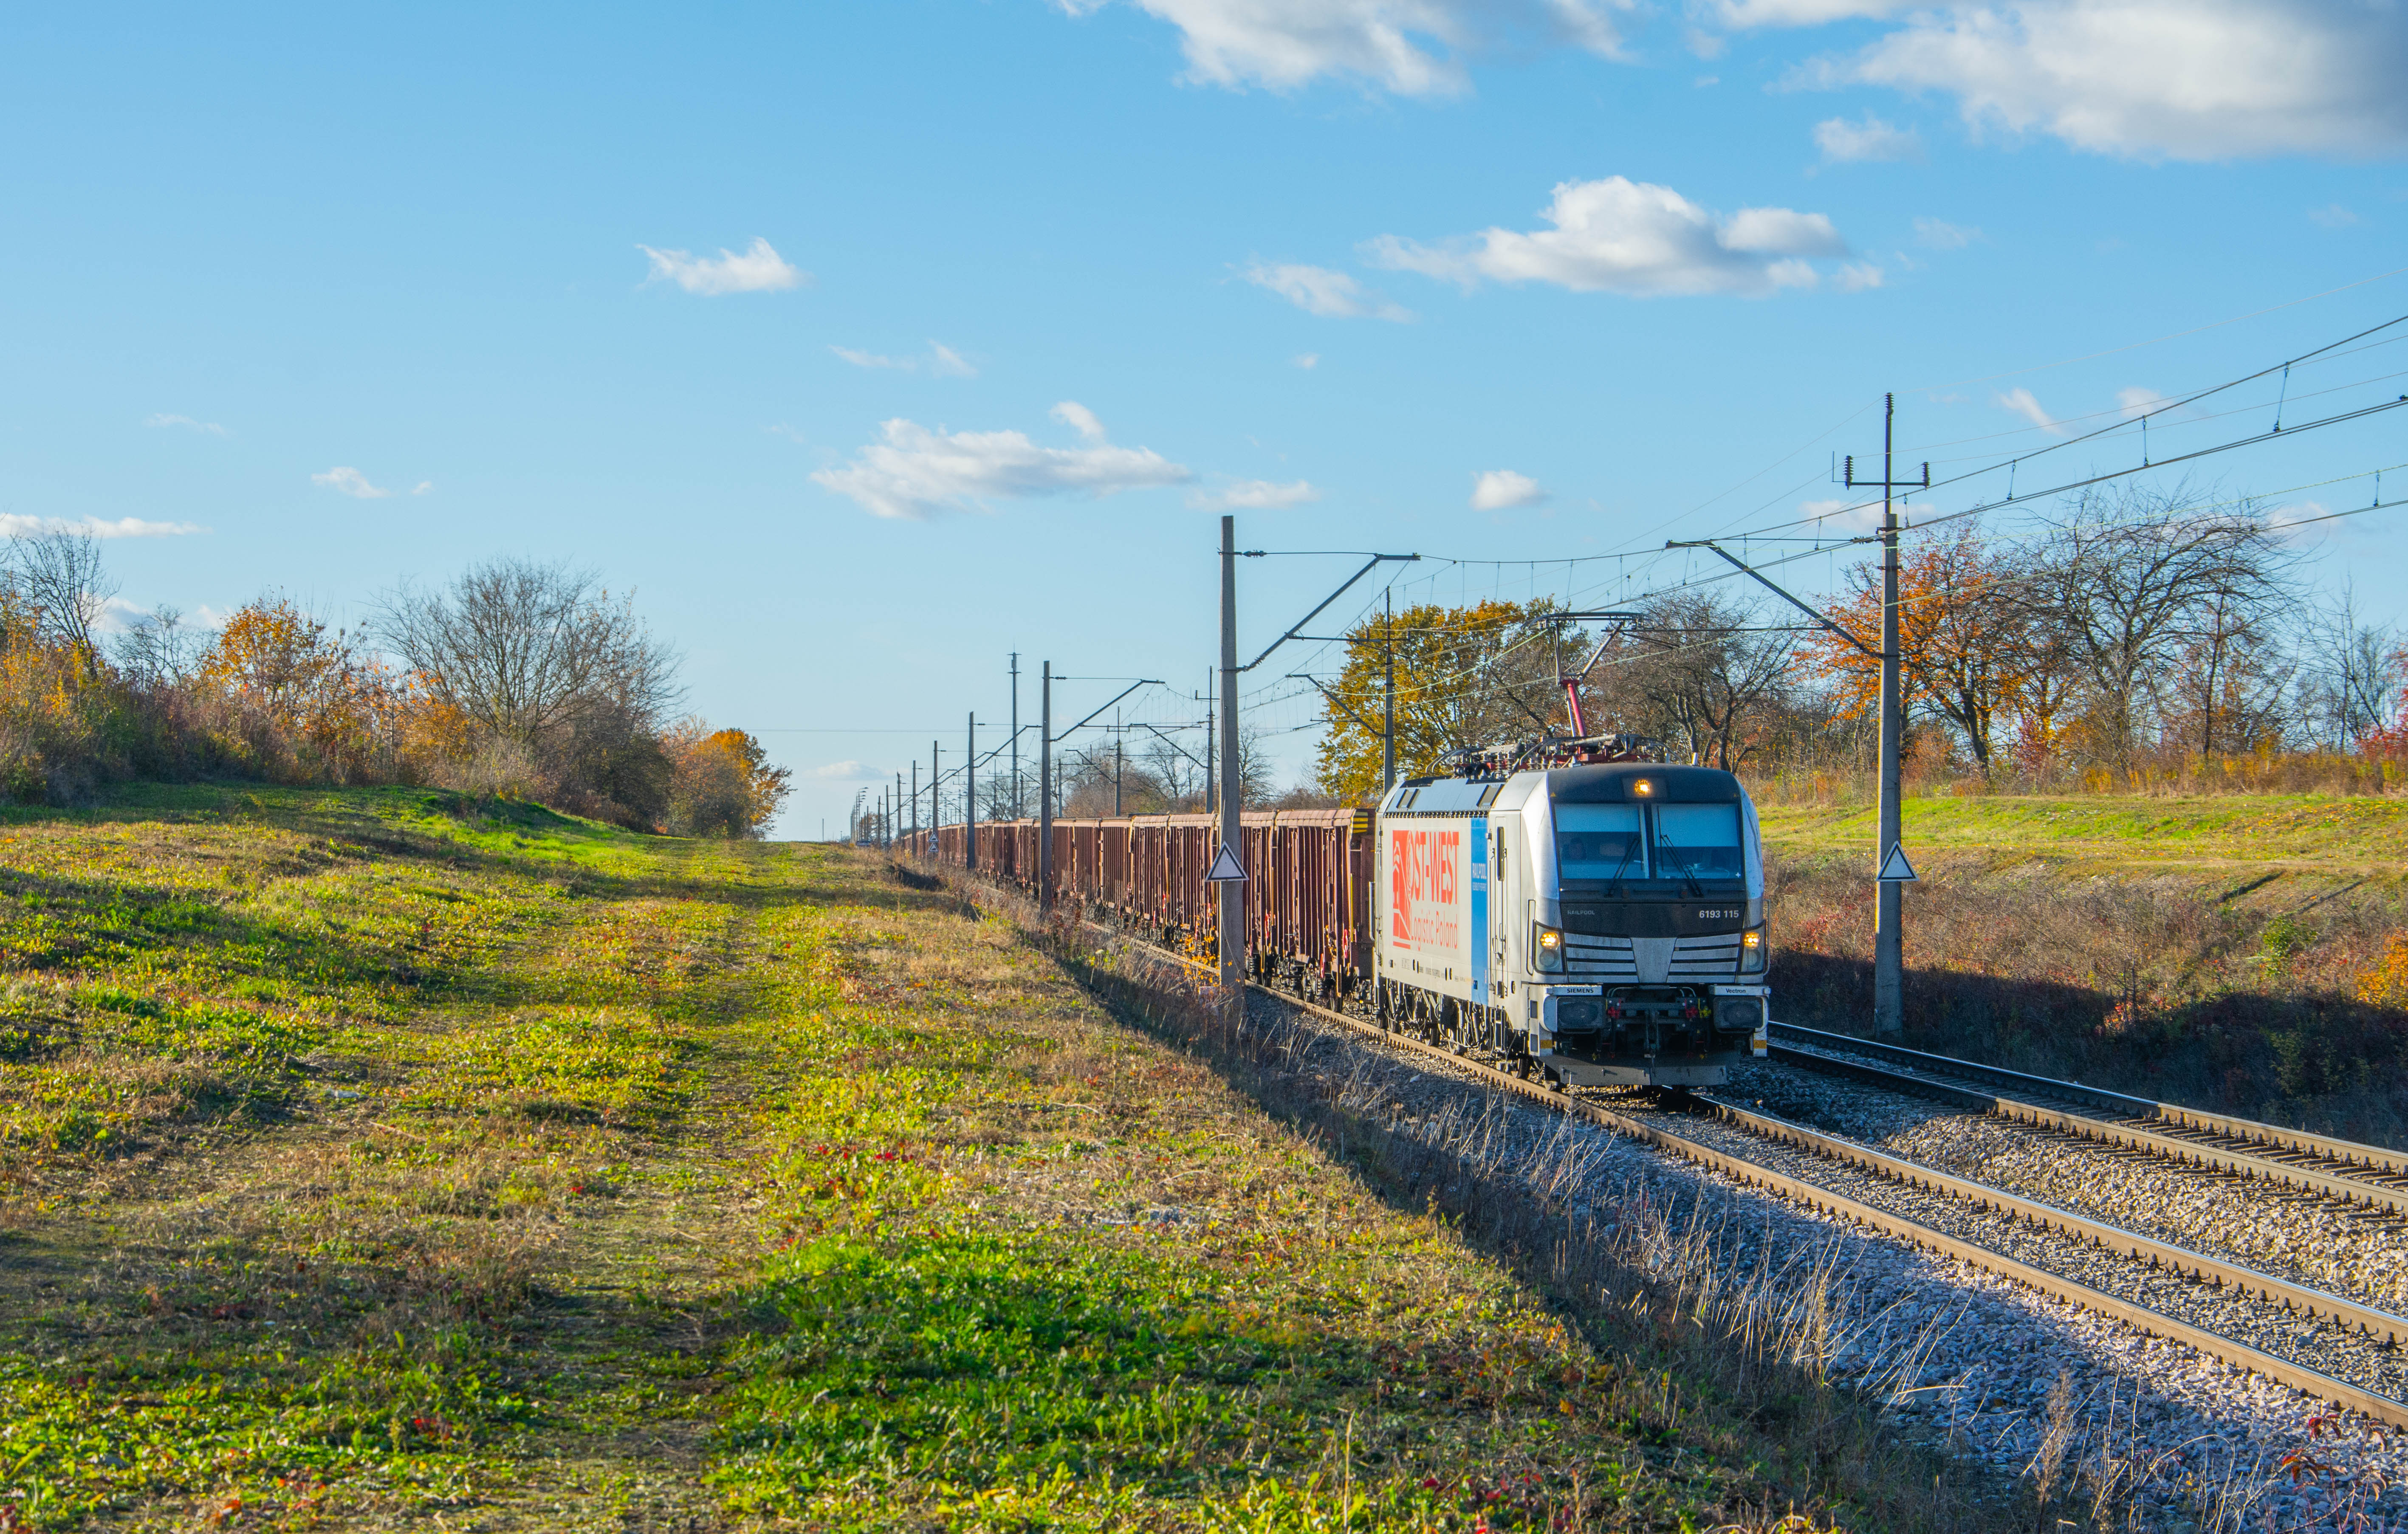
{"x":1605,"y":924}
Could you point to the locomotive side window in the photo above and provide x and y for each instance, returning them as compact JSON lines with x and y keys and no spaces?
{"x":1698,"y":841}
{"x":1599,"y":841}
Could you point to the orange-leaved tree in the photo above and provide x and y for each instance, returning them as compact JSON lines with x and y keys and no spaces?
{"x":316,"y":693}
{"x":724,"y":785}
{"x":1967,"y":630}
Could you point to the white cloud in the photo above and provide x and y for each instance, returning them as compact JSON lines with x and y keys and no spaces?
{"x":912,"y":472}
{"x":119,"y":616}
{"x":2136,"y":401}
{"x":1871,"y":139}
{"x":1740,"y":15}
{"x":847,"y":770}
{"x":1410,"y":46}
{"x":187,"y":421}
{"x":871,"y":359}
{"x":1619,"y":235}
{"x":423,"y":487}
{"x":1255,"y":496}
{"x":1307,"y":360}
{"x":1856,"y":276}
{"x":2189,"y":80}
{"x":1317,"y":290}
{"x":349,"y":482}
{"x":1501,"y":489}
{"x":2020,"y":400}
{"x":2184,"y":80}
{"x":1853,"y":516}
{"x":942,"y":361}
{"x":2285,"y":522}
{"x":13,"y":525}
{"x":2332,"y":216}
{"x":1079,"y":419}
{"x":757,"y":270}
{"x":1940,"y":234}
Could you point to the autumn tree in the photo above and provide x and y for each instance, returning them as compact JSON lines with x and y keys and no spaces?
{"x":724,"y":785}
{"x":1476,"y":676}
{"x":537,"y":663}
{"x":305,"y":688}
{"x":1969,"y":628}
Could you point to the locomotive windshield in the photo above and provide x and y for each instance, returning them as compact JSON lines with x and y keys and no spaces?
{"x":1651,"y":849}
{"x":1698,"y":841}
{"x":1599,"y":841}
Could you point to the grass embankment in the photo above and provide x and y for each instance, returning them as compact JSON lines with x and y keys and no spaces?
{"x":370,"y":1160}
{"x":2229,"y":952}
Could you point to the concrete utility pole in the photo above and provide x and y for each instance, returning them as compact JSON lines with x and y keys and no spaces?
{"x":1889,"y":949}
{"x":1045,"y":791}
{"x":914,"y":833}
{"x":1233,"y":892}
{"x":1116,"y":763}
{"x":969,"y":799}
{"x":1015,"y":736}
{"x":1388,"y":720}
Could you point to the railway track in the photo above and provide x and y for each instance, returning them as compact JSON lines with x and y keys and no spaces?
{"x":2264,"y":1302}
{"x":2361,"y":1176}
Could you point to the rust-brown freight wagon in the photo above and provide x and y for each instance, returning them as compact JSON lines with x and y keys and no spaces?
{"x":1307,"y":896}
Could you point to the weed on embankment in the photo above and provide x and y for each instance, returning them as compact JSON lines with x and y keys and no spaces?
{"x":2248,"y":956}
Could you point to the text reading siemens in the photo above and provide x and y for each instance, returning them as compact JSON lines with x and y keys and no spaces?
{"x":1423,"y":911}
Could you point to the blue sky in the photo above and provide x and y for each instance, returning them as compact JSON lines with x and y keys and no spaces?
{"x":870,"y":343}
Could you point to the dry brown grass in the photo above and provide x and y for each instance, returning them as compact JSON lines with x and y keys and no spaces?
{"x":2240,"y":990}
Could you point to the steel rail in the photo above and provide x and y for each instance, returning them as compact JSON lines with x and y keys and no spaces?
{"x":2157,"y":1253}
{"x":2345,"y":1187}
{"x":2345,"y":1150}
{"x":2178,"y":1260}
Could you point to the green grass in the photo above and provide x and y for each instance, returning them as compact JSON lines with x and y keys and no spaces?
{"x":368,"y":1157}
{"x":2316,"y":831}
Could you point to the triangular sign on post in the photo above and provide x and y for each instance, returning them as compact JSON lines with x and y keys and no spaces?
{"x":1224,"y":869}
{"x":1896,"y":867}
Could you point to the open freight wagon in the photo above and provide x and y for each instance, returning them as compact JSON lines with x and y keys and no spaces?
{"x":1307,"y":890}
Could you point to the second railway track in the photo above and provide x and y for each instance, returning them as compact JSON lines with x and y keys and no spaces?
{"x":2326,"y":1345}
{"x":2365,"y":1176}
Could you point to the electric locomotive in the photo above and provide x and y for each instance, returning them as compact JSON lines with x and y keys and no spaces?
{"x":1603,"y":925}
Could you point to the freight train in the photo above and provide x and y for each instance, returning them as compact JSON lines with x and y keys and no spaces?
{"x":1598,"y":924}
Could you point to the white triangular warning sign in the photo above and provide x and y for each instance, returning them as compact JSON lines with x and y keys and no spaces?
{"x":1895,"y":867}
{"x":1224,"y":869}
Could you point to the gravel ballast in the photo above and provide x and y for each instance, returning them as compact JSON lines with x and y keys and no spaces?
{"x":1970,"y":1361}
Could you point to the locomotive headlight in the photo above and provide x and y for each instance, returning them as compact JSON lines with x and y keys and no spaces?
{"x":1751,"y":950}
{"x":1547,"y":951}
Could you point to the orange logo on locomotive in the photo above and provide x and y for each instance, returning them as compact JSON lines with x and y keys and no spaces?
{"x":1422,"y":888}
